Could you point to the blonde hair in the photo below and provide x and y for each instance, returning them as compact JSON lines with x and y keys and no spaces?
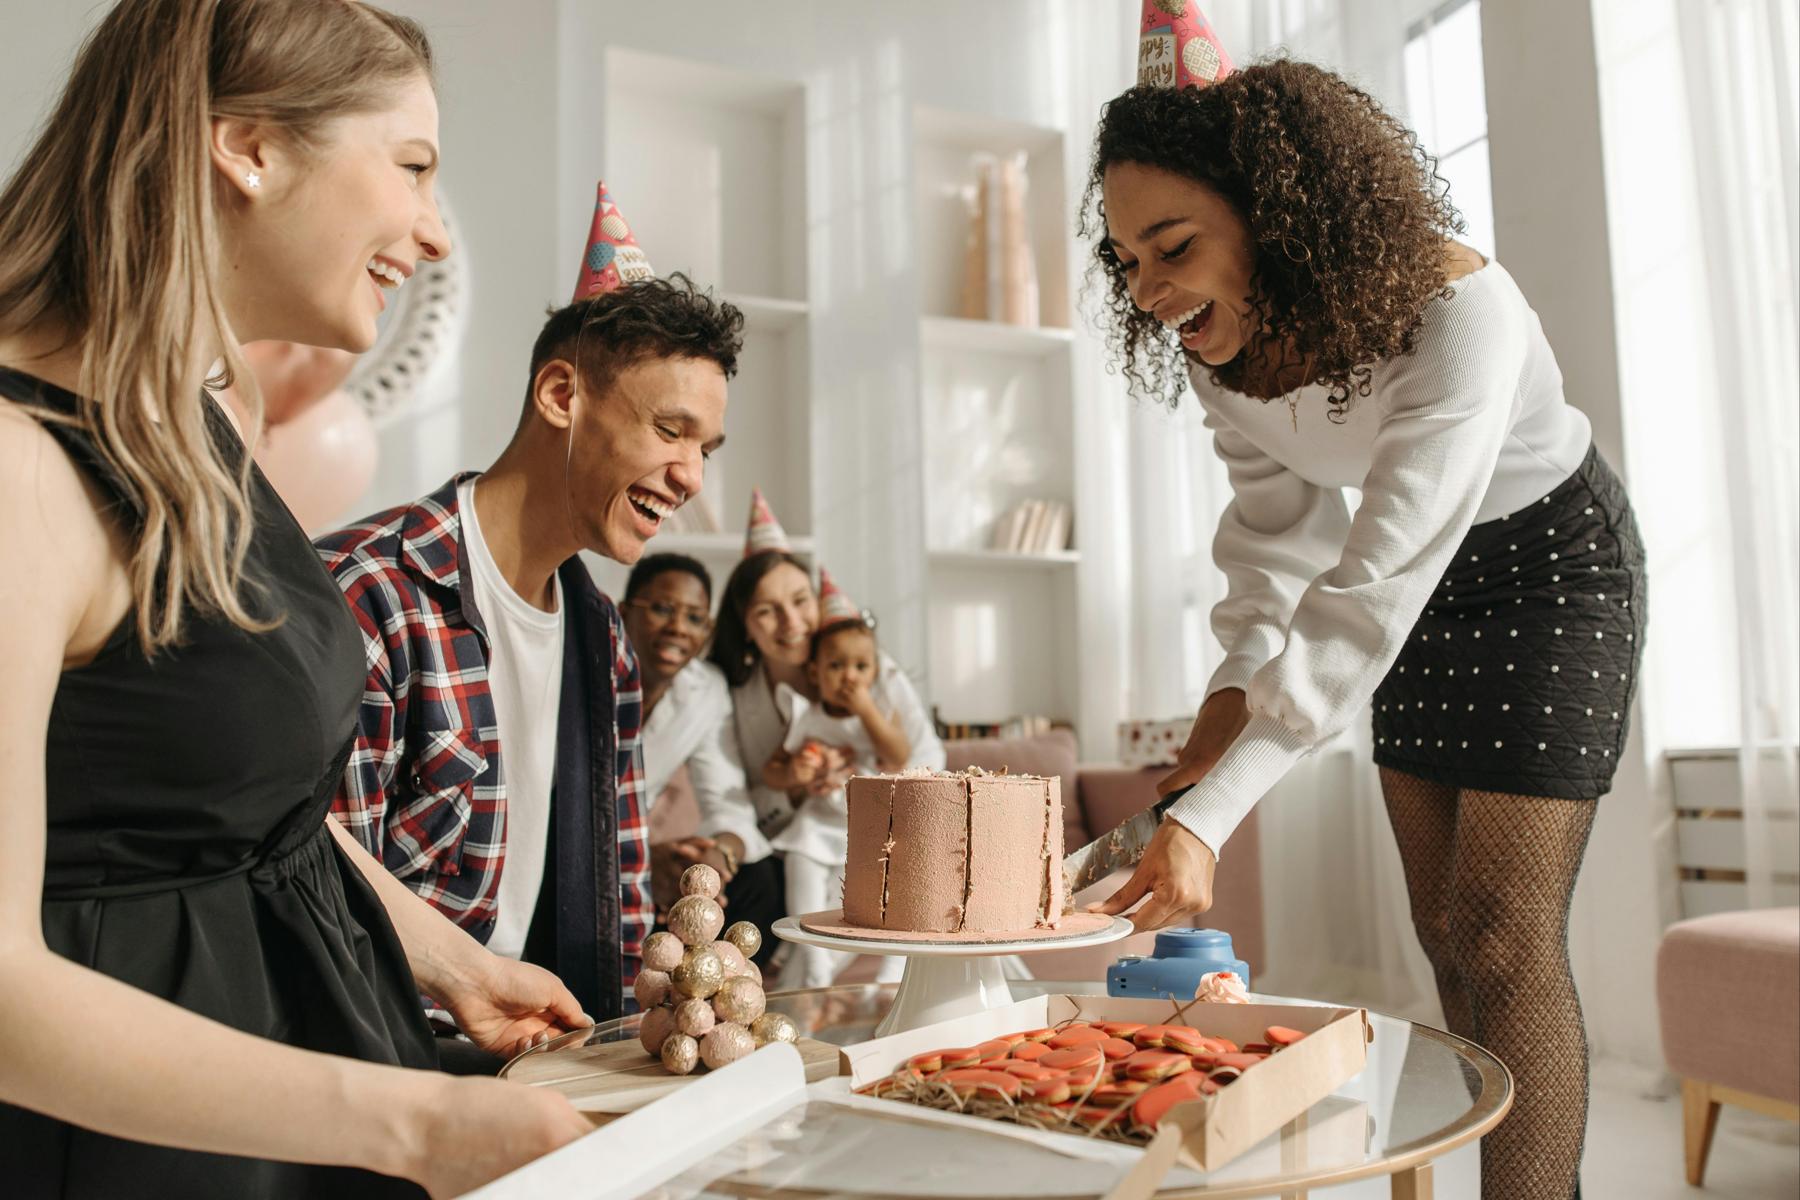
{"x":109,"y":231}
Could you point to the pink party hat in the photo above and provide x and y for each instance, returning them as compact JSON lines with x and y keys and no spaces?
{"x":765,"y":532}
{"x":613,"y":257}
{"x":834,"y":606}
{"x":1177,"y":46}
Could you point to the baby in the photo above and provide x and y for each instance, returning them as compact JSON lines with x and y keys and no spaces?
{"x":853,"y":714}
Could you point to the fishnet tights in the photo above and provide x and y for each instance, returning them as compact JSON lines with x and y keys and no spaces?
{"x":1490,"y":877}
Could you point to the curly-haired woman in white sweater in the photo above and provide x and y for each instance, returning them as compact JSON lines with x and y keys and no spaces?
{"x":1281,"y":244}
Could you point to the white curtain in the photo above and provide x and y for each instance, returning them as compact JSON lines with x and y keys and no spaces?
{"x":1740,"y":82}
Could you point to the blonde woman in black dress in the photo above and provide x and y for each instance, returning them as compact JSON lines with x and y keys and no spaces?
{"x":209,"y":990}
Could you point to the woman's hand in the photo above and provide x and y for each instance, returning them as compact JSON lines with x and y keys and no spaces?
{"x":1221,"y":719}
{"x":509,"y":1006}
{"x":475,"y":1130}
{"x":1176,"y":873}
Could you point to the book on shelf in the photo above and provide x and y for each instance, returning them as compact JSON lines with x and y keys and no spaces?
{"x":1006,"y":530}
{"x":1032,"y":527}
{"x":1056,"y":535}
{"x":1036,"y":525}
{"x":1013,"y":727}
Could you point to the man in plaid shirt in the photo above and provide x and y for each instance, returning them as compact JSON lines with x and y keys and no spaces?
{"x":497,"y":766}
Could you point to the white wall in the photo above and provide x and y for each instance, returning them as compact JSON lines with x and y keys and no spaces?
{"x":497,"y":99}
{"x":498,"y":125}
{"x":35,"y":55}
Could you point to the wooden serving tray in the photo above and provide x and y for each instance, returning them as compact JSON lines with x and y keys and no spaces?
{"x":620,"y":1077}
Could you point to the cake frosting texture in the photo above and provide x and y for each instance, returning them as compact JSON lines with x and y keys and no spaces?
{"x":954,"y":853}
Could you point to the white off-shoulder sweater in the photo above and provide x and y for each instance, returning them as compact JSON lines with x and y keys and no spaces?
{"x":1470,"y":427}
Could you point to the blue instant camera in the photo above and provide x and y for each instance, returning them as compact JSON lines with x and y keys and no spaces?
{"x":1173,"y":972}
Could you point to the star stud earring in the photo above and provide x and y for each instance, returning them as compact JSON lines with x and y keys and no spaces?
{"x":253,"y":179}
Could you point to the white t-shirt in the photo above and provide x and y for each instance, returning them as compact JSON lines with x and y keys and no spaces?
{"x":525,"y":646}
{"x":1469,"y":427}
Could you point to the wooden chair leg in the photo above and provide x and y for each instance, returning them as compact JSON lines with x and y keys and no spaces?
{"x":1413,"y":1184}
{"x":1699,"y":1117}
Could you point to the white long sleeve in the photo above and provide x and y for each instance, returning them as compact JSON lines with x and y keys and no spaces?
{"x":727,"y":801}
{"x":1275,"y":536}
{"x":1443,"y":416}
{"x":722,"y":792}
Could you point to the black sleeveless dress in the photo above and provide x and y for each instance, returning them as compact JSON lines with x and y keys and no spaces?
{"x":187,"y":853}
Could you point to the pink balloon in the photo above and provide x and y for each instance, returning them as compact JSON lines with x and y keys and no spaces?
{"x":320,"y":460}
{"x":292,"y":377}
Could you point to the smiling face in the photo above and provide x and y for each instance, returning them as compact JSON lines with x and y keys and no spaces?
{"x":668,"y":621}
{"x":1186,"y":255}
{"x":782,"y":614}
{"x":329,"y":230}
{"x":640,"y":449}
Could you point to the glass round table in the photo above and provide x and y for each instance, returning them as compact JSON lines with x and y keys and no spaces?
{"x":1423,"y":1093}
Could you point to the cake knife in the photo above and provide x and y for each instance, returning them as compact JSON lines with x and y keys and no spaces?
{"x":1121,"y":847}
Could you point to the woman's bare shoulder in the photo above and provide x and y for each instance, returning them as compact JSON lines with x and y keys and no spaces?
{"x":52,"y":531}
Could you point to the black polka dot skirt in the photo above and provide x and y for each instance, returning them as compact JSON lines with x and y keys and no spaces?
{"x":1518,"y":678}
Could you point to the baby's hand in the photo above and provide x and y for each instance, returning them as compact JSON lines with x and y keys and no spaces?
{"x":806,"y":768}
{"x":854,"y":695}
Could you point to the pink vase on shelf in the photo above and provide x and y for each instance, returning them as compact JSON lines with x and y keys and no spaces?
{"x":999,"y":267}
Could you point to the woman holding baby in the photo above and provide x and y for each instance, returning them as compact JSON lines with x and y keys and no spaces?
{"x":814,"y":701}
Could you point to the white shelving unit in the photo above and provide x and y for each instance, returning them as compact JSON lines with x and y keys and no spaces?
{"x":711,"y":166}
{"x":947,"y":334}
{"x":1006,"y":560}
{"x":996,"y":411}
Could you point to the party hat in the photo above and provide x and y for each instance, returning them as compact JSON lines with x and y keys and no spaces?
{"x":613,"y":257}
{"x":1177,"y":46}
{"x":834,"y":605}
{"x":765,"y":532}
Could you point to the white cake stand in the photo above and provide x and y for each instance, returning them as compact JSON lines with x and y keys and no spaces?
{"x":947,"y":979}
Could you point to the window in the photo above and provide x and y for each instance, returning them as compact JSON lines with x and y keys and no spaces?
{"x":1446,"y":101}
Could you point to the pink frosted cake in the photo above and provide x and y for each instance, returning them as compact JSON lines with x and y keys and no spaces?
{"x":965,"y":855}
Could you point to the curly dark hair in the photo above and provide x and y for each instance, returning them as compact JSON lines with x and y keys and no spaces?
{"x":1347,"y":214}
{"x":653,"y":318}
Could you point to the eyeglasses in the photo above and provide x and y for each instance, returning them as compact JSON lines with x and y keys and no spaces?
{"x":697,"y":620}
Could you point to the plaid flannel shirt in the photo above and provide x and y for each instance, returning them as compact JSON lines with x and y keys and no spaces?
{"x":425,"y":789}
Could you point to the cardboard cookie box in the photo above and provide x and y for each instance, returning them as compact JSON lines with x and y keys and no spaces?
{"x":1204,"y":1133}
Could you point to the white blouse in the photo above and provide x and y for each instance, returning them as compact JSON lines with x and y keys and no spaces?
{"x":689,"y":726}
{"x":758,"y":728}
{"x":1470,"y":427}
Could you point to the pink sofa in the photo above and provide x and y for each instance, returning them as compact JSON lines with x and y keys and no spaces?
{"x":1096,"y":797}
